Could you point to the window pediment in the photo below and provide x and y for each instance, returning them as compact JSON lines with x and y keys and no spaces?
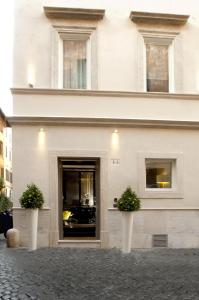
{"x":73,"y":13}
{"x":158,"y":18}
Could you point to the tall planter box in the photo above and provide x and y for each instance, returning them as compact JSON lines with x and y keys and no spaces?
{"x":32,"y":200}
{"x":127,"y":204}
{"x":127,"y":229}
{"x":33,"y":227}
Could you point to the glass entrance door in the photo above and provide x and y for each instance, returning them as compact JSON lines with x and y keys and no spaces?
{"x":79,"y":207}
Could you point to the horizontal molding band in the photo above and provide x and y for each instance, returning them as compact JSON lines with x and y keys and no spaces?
{"x":100,"y":93}
{"x":79,"y":241}
{"x":160,"y":208}
{"x":101,"y":122}
{"x":20,"y":208}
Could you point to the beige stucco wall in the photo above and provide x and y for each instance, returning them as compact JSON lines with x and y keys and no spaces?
{"x":131,"y":142}
{"x":132,"y":107}
{"x":180,"y":226}
{"x":40,"y":166}
{"x":118,"y":42}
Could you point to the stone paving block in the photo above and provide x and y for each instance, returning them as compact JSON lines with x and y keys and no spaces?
{"x":87,"y":274}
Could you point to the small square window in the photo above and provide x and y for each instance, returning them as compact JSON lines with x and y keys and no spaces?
{"x":158,"y":173}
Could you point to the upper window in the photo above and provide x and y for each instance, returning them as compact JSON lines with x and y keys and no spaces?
{"x":75,"y":64}
{"x":2,"y":172}
{"x":156,"y":61}
{"x":74,"y":46}
{"x":7,"y":175}
{"x":157,"y":68}
{"x":1,"y":148}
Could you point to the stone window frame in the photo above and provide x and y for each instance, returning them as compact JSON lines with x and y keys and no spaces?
{"x":53,"y":156}
{"x":176,"y":191}
{"x":61,"y":33}
{"x":158,"y":38}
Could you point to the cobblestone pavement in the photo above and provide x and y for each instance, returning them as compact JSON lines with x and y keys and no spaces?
{"x":87,"y":274}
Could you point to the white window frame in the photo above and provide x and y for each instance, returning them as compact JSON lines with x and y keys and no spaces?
{"x":176,"y":190}
{"x":160,"y":38}
{"x":73,"y":33}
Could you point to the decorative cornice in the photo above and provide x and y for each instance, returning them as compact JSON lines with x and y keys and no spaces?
{"x":98,"y":93}
{"x":102,"y":122}
{"x":74,"y":13}
{"x":158,"y":18}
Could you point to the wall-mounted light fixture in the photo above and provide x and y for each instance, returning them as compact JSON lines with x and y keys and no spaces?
{"x":31,"y":75}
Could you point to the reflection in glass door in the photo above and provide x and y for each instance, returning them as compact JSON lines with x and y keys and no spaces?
{"x":79,"y":207}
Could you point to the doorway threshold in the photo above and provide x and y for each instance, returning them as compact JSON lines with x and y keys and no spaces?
{"x":80,"y":243}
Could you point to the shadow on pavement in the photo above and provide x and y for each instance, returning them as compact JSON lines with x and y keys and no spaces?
{"x":2,"y":241}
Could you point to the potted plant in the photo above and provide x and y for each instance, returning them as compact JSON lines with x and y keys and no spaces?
{"x":5,"y":210}
{"x":127,"y":204}
{"x":32,"y":199}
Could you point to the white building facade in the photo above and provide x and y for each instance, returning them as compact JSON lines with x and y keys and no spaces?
{"x":104,"y":97}
{"x":8,"y":161}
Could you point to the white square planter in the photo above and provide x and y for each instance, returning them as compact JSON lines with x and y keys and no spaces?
{"x":33,"y":224}
{"x":127,"y":229}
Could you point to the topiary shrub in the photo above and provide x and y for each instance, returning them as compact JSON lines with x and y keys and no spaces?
{"x":32,"y":197}
{"x":129,"y":201}
{"x":5,"y":203}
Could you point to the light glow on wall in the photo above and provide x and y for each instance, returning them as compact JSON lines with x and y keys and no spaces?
{"x":41,"y":139}
{"x":197,"y":81}
{"x":115,"y":140}
{"x":31,"y":75}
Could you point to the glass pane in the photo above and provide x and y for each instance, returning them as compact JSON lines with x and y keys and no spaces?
{"x":79,"y":211}
{"x":71,"y":191}
{"x":158,"y":173}
{"x":87,"y":188}
{"x":74,"y":64}
{"x":157,"y":68}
